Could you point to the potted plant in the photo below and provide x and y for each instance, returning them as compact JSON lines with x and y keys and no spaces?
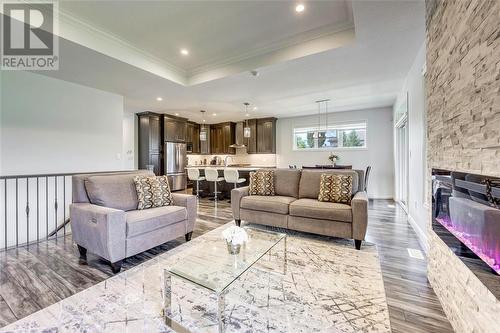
{"x":234,"y":237}
{"x":333,"y":158}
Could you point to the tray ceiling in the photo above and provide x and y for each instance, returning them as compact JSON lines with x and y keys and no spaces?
{"x":222,"y":37}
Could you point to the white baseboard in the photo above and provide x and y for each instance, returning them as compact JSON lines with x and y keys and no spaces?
{"x":421,"y":235}
{"x":381,"y":198}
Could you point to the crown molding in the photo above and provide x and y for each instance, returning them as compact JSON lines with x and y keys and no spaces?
{"x":90,"y":36}
{"x":319,"y":44}
{"x":313,"y":34}
{"x":310,"y":42}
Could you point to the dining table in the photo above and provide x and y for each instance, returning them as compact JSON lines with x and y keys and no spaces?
{"x":327,"y":166}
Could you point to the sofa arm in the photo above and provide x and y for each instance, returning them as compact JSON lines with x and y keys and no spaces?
{"x":189,"y":201}
{"x":236,"y":195}
{"x":359,"y":205}
{"x":100,"y":230}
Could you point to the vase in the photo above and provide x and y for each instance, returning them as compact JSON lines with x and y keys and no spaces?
{"x":233,"y":248}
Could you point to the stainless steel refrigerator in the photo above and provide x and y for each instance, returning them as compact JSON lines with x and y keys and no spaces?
{"x":175,"y":165}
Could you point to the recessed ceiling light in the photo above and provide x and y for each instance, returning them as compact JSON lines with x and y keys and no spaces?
{"x":300,"y":8}
{"x":247,"y":115}
{"x":255,"y":108}
{"x":214,"y":114}
{"x":184,"y":52}
{"x":176,"y":114}
{"x":159,"y":99}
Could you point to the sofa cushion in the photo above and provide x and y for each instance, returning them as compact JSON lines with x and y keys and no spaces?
{"x":310,"y":180}
{"x":262,"y":182}
{"x":315,"y":209}
{"x":286,"y":182}
{"x":112,"y":191}
{"x":272,"y":204}
{"x":141,"y":221}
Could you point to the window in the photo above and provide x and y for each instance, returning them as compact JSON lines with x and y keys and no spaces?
{"x":339,"y":136}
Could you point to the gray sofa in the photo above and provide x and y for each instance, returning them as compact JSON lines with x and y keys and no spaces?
{"x":296,"y":206}
{"x":106,"y":222}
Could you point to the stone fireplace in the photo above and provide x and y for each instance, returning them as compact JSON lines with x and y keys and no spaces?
{"x":463,"y":115}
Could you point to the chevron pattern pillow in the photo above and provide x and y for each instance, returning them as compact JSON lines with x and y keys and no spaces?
{"x":261,"y":182}
{"x":335,"y":188}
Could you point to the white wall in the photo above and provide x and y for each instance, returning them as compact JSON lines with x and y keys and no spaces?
{"x":50,"y":126}
{"x":129,"y":142}
{"x":415,"y":87}
{"x":378,"y":154}
{"x":53,"y":126}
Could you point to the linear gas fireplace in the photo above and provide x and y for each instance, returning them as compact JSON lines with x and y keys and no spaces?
{"x":466,"y":216}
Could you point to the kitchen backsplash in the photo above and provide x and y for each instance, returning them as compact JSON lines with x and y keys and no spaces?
{"x":253,"y":159}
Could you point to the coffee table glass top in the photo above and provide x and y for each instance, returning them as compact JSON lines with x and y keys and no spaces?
{"x":210,"y":265}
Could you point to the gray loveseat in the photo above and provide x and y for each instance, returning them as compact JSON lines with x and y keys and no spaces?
{"x":106,"y":222}
{"x":296,"y":206}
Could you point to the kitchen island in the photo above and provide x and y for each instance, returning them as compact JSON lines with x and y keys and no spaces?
{"x":207,"y":188}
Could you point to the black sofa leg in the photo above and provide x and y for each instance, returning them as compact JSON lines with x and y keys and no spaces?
{"x":357,"y":244}
{"x":188,"y":236}
{"x":83,"y":251}
{"x":238,"y":222}
{"x":116,"y":266}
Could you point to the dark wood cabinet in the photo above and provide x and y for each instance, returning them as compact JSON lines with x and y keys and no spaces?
{"x":150,"y":141}
{"x":216,"y":139}
{"x":266,"y":136}
{"x":189,"y":132}
{"x":239,"y":139}
{"x":221,"y":137}
{"x":155,"y":128}
{"x":205,"y":145}
{"x":251,"y":142}
{"x":196,"y":139}
{"x":193,"y":137}
{"x":229,"y":137}
{"x":175,"y":129}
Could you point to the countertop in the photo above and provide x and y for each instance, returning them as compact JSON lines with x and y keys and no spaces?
{"x":221,"y":167}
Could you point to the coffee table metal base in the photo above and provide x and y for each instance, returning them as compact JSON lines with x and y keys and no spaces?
{"x":167,"y":305}
{"x":221,"y":320}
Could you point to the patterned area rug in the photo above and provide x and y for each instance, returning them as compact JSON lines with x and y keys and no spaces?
{"x":328,"y":287}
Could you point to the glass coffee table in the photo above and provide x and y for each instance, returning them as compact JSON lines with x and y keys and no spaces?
{"x":209,"y":265}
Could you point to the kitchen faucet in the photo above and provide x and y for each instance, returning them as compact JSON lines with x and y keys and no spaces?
{"x":225,"y":160}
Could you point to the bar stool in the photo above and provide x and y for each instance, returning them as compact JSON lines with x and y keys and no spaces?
{"x":194,"y":175}
{"x":233,"y":176}
{"x":212,"y":175}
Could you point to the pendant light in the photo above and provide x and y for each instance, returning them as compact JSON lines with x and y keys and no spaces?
{"x":203,"y":130}
{"x":327,"y":136}
{"x":316,"y":133}
{"x":247,"y":132}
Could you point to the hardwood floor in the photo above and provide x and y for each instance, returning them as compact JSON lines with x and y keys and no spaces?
{"x":34,"y":277}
